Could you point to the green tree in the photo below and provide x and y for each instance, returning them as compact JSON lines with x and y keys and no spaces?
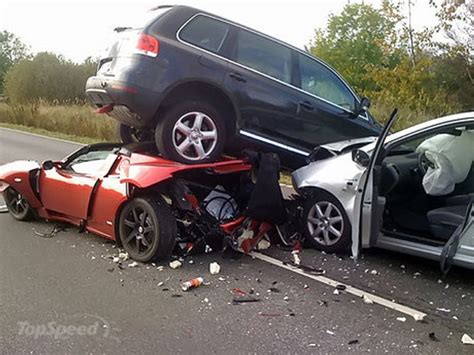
{"x":357,"y":39}
{"x":47,"y":77}
{"x":12,"y":50}
{"x":380,"y":54}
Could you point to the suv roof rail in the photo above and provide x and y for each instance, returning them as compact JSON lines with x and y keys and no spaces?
{"x":161,"y":7}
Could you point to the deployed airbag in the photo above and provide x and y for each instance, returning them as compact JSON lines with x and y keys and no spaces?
{"x":452,"y":157}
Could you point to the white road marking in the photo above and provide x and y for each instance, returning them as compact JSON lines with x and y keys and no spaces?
{"x":41,"y":136}
{"x":417,"y":315}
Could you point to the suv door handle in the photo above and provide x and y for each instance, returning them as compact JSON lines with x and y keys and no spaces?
{"x":238,"y":77}
{"x":306,"y":105}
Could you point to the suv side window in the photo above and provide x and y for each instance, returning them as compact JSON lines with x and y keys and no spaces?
{"x":318,"y":80}
{"x":264,"y":55}
{"x":205,"y":32}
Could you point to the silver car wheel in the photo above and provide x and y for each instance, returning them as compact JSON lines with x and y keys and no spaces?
{"x":194,"y":136}
{"x":325,"y":223}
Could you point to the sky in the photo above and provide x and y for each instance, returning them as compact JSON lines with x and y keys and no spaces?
{"x":78,"y":29}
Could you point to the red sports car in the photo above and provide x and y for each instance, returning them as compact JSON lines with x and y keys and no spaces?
{"x":129,"y":194}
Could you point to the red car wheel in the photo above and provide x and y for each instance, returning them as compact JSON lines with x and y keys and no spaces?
{"x":18,"y":206}
{"x":147,"y":229}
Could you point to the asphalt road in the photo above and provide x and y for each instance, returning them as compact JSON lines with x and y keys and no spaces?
{"x":48,"y":284}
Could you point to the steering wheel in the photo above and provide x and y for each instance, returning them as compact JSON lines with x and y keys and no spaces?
{"x":424,"y":164}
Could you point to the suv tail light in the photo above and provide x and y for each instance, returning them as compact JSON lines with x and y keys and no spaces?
{"x":147,"y":45}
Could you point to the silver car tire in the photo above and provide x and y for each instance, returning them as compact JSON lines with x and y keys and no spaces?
{"x":325,"y":223}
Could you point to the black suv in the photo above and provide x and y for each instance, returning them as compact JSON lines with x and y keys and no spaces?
{"x":199,"y":84}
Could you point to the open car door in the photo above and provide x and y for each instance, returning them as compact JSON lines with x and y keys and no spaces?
{"x":460,"y":247}
{"x":67,"y":187}
{"x":368,"y":205}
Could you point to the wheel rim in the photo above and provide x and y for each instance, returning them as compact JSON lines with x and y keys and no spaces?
{"x":325,"y":223}
{"x":194,"y":136}
{"x":139,"y":231}
{"x":17,"y":205}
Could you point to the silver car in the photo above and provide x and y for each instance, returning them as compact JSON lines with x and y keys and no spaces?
{"x":408,"y":191}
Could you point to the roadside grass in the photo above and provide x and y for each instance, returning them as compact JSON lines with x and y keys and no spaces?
{"x":72,"y":120}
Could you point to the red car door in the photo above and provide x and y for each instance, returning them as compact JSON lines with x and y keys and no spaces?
{"x":67,"y":187}
{"x":66,"y":192}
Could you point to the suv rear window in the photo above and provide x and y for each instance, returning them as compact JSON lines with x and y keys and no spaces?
{"x":205,"y":32}
{"x":264,"y":55}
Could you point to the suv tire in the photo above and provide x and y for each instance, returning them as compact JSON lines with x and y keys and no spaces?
{"x":191,"y":132}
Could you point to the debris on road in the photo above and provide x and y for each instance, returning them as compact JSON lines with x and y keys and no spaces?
{"x":433,"y":336}
{"x":194,"y":283}
{"x":353,"y":342}
{"x":245,"y":299}
{"x":238,"y":291}
{"x":123,"y":256}
{"x":160,"y":268}
{"x":330,"y":332}
{"x":336,"y":292}
{"x":445,"y":310}
{"x":161,"y":283}
{"x":418,"y":317}
{"x":175,"y":264}
{"x":466,"y":339}
{"x":296,"y":257}
{"x":274,"y":290}
{"x":311,"y":270}
{"x":133,"y":264}
{"x":56,"y":229}
{"x":367,"y":299}
{"x":340,"y":287}
{"x":402,"y":319}
{"x":214,"y":268}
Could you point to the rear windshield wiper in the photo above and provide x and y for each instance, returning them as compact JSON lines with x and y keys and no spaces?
{"x":121,"y":29}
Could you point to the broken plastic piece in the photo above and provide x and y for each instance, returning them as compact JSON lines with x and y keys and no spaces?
{"x":123,"y":256}
{"x":133,"y":264}
{"x":466,"y":339}
{"x":402,"y":319}
{"x":194,"y":283}
{"x":296,"y":257}
{"x":263,"y":244}
{"x":418,"y":317}
{"x":175,"y":264}
{"x":214,"y":268}
{"x":245,"y":299}
{"x":240,"y":292}
{"x":367,"y":299}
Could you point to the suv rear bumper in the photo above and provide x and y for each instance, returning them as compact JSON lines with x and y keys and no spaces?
{"x":133,"y":105}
